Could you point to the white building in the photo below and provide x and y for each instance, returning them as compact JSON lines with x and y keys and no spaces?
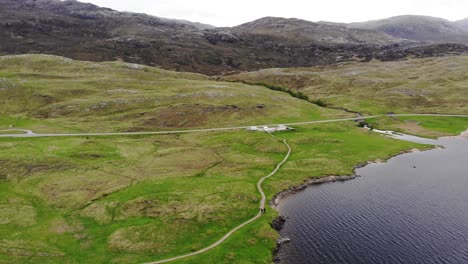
{"x":270,"y":129}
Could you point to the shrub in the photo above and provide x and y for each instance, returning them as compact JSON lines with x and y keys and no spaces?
{"x":319,"y":103}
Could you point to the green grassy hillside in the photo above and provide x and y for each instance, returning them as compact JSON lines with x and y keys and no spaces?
{"x":434,"y":85}
{"x":50,"y":93}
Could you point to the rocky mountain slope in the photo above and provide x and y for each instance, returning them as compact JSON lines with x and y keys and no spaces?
{"x":88,"y":32}
{"x":418,"y":28}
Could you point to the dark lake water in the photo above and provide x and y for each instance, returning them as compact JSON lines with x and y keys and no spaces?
{"x":412,"y":209}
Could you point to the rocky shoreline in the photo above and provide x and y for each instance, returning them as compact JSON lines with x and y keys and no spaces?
{"x":313,"y":181}
{"x":274,"y":202}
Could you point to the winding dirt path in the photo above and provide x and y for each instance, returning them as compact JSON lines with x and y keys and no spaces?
{"x":262,"y":206}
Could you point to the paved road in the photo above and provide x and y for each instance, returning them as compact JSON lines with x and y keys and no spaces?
{"x":32,"y":134}
{"x":262,"y":206}
{"x":172,"y":131}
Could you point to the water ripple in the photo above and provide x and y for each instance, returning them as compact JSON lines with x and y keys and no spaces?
{"x":395,"y":213}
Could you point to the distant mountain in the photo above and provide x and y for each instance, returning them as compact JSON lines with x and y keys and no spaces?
{"x":88,"y":32}
{"x":301,"y":30}
{"x":418,"y":28}
{"x":463,"y":24}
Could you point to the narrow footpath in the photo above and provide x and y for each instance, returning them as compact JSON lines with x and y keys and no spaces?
{"x":225,"y":237}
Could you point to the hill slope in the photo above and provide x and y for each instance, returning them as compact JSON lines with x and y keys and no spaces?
{"x":434,"y":85}
{"x":113,"y":96}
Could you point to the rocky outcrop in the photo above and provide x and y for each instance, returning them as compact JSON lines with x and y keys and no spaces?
{"x":226,"y":36}
{"x":278,"y":223}
{"x":423,"y":51}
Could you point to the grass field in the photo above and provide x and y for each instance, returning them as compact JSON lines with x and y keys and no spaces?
{"x":9,"y":132}
{"x":433,"y":85}
{"x":133,"y":199}
{"x":136,"y":199}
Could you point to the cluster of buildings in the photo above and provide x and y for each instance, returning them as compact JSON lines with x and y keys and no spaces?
{"x":270,"y":129}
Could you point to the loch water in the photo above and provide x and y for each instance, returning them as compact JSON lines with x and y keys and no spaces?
{"x":410,"y":209}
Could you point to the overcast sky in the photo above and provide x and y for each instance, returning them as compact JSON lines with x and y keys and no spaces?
{"x":235,"y":12}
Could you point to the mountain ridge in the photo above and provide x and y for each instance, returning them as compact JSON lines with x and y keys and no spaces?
{"x":87,"y":32}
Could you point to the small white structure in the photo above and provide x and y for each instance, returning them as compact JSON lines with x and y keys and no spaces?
{"x":271,"y":129}
{"x":386,"y":132}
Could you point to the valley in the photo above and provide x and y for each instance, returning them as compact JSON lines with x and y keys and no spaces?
{"x":127,"y":137}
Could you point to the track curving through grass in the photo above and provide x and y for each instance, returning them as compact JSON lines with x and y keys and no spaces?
{"x":257,"y":216}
